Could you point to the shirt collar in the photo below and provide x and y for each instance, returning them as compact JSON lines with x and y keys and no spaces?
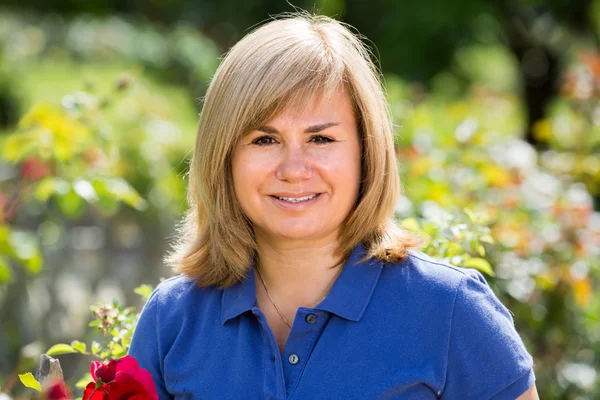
{"x":348,"y":298}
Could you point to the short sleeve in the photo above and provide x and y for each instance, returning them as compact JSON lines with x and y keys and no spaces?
{"x":486,"y":356}
{"x":145,"y":344}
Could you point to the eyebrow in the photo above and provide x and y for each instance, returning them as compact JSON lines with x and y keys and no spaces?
{"x":310,"y":129}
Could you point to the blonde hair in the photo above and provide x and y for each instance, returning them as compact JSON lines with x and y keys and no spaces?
{"x":285,"y":63}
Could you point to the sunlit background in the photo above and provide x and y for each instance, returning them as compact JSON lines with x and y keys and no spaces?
{"x":497,"y":107}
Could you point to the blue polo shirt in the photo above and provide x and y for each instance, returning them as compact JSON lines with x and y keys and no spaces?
{"x":418,"y":329}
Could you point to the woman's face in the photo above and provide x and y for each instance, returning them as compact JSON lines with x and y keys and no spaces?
{"x":297,"y":177}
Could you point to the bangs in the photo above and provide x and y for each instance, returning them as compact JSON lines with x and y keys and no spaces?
{"x":286,"y":76}
{"x":297,"y":100}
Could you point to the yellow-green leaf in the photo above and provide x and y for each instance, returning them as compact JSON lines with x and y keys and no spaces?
{"x":487,"y":239}
{"x":480,"y":264}
{"x":5,"y":271}
{"x":117,"y":351}
{"x":59,"y":349}
{"x":481,"y":250}
{"x":33,"y":265}
{"x":82,"y":383}
{"x":470,"y":214}
{"x":106,"y":199}
{"x":144,"y":290}
{"x":17,"y":146}
{"x":85,"y":190}
{"x":96,"y":347}
{"x":454,"y":249}
{"x":46,"y":187}
{"x":79,"y":346}
{"x":71,"y":204}
{"x":411,"y":224}
{"x":25,"y":244}
{"x":29,"y":381}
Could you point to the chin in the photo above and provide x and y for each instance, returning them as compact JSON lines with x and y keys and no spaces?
{"x":296,"y":235}
{"x":297,"y":232}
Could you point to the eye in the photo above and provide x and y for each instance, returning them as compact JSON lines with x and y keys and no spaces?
{"x":321,"y":139}
{"x":264,"y":141}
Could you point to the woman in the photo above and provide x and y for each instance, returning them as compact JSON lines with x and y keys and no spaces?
{"x":294,"y":281}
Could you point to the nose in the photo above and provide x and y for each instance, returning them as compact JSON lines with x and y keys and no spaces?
{"x":294,"y":165}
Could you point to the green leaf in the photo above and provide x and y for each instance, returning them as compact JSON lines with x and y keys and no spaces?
{"x":59,"y":349}
{"x":480,"y":264}
{"x":481,"y":250}
{"x":470,"y":214}
{"x":49,"y":186}
{"x":96,"y":347}
{"x":29,"y":381}
{"x":79,"y":346}
{"x":94,"y":323}
{"x":126,"y":193}
{"x":33,"y":265}
{"x":106,"y":199}
{"x":5,"y":271}
{"x":18,"y":145}
{"x":71,"y":204}
{"x":82,"y":383}
{"x":487,"y":239}
{"x":25,"y":244}
{"x":454,"y":249}
{"x":411,"y":224}
{"x":117,"y":351}
{"x":85,"y":190}
{"x":144,"y":290}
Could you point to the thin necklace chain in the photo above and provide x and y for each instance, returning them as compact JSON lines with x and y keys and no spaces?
{"x":275,"y":304}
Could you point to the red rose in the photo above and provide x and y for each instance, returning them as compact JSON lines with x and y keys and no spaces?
{"x":34,"y":169}
{"x":106,"y":372}
{"x":95,"y":392}
{"x":120,"y":379}
{"x":57,"y":391}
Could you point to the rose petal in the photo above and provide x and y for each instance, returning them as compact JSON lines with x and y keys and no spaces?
{"x":127,"y":364}
{"x":93,"y":367}
{"x":127,"y":387}
{"x":107,"y":372}
{"x":91,"y":393}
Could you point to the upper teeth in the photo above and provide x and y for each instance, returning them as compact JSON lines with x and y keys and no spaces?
{"x":297,"y":199}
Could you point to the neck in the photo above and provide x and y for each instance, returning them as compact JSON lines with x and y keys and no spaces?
{"x":297,"y":275}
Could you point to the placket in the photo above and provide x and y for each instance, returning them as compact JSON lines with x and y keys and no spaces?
{"x":274,"y":383}
{"x":306,"y":330}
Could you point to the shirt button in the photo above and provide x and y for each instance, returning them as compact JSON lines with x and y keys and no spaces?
{"x":293,"y":359}
{"x":311,"y":318}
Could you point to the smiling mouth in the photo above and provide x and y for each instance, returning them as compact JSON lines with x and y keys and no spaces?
{"x":297,"y":199}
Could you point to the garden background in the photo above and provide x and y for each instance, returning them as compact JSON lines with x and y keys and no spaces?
{"x":497,"y":107}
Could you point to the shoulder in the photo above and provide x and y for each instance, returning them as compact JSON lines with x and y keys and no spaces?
{"x":180,"y":293}
{"x":440,"y":290}
{"x":422,"y":292}
{"x":434,"y":269}
{"x":174,"y":288}
{"x":427,"y":275}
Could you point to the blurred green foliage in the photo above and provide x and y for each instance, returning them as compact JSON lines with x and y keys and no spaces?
{"x":106,"y":118}
{"x":115,"y":324}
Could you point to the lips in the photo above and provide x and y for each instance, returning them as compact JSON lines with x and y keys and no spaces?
{"x":298,"y":202}
{"x":297,"y":199}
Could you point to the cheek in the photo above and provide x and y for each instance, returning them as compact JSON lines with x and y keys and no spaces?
{"x":248,"y":173}
{"x":345,"y":168}
{"x":240,"y":178}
